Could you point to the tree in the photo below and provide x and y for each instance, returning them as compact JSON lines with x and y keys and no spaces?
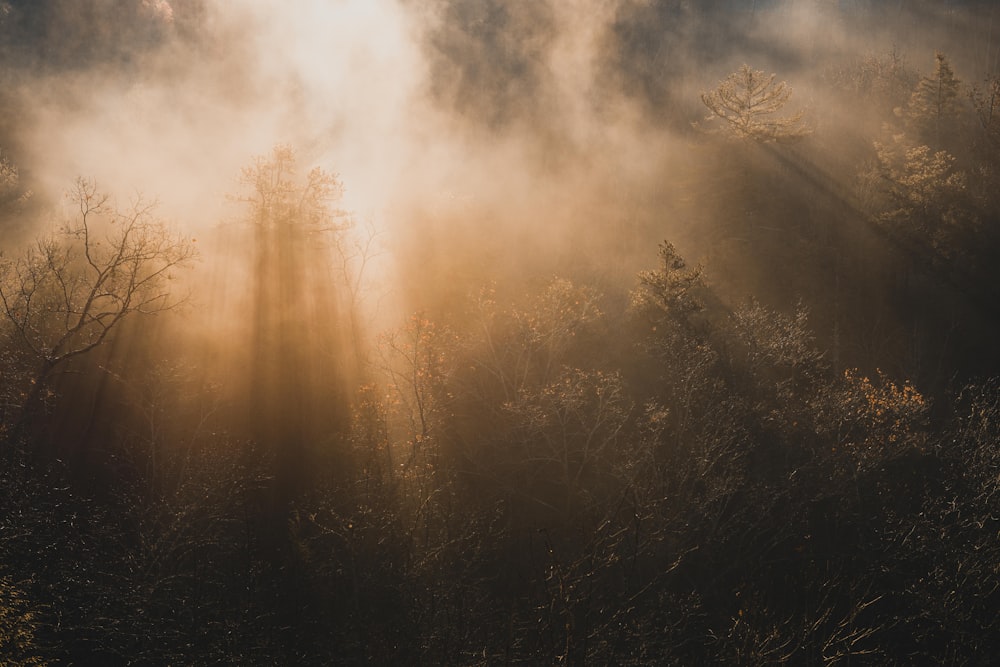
{"x":65,"y":295}
{"x":18,"y":625}
{"x":570,"y":431}
{"x":882,"y":79}
{"x":869,"y":421}
{"x":671,"y":293}
{"x":8,"y":176}
{"x":12,"y":195}
{"x":986,"y":102}
{"x":933,"y":107}
{"x":415,"y":362}
{"x":747,"y":101}
{"x":515,"y":349}
{"x":297,"y":354}
{"x":924,"y":197}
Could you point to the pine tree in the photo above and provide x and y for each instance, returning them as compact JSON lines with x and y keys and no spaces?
{"x":747,"y":100}
{"x":933,"y":109}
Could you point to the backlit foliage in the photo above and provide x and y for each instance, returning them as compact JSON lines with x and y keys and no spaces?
{"x":519,"y":347}
{"x":779,"y":342}
{"x":924,"y":197}
{"x":874,"y":420}
{"x":18,"y":625}
{"x":673,"y":291}
{"x":747,"y":101}
{"x":279,"y":196}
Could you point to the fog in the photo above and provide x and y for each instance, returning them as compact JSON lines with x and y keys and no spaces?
{"x":526,"y":118}
{"x":476,"y":314}
{"x":519,"y":110}
{"x":478,"y":144}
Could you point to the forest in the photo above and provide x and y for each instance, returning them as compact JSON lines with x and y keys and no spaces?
{"x":496,"y":332}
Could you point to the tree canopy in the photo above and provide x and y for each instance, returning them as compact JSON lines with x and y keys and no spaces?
{"x":933,"y":108}
{"x":748,"y":100}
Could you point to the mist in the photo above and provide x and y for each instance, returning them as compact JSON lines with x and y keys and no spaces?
{"x":544,"y":120}
{"x":495,"y":331}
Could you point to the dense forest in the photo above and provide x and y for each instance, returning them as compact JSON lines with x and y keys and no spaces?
{"x":624,"y":333}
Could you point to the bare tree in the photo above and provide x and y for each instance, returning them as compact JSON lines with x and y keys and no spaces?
{"x":65,"y":294}
{"x":986,"y":102}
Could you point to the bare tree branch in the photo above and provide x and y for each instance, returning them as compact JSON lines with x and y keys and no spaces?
{"x":66,"y":294}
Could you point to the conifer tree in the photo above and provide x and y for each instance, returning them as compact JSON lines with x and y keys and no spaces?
{"x":933,"y":108}
{"x":747,"y":101}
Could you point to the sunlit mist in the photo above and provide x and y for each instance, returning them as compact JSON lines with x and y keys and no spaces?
{"x":475,"y":332}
